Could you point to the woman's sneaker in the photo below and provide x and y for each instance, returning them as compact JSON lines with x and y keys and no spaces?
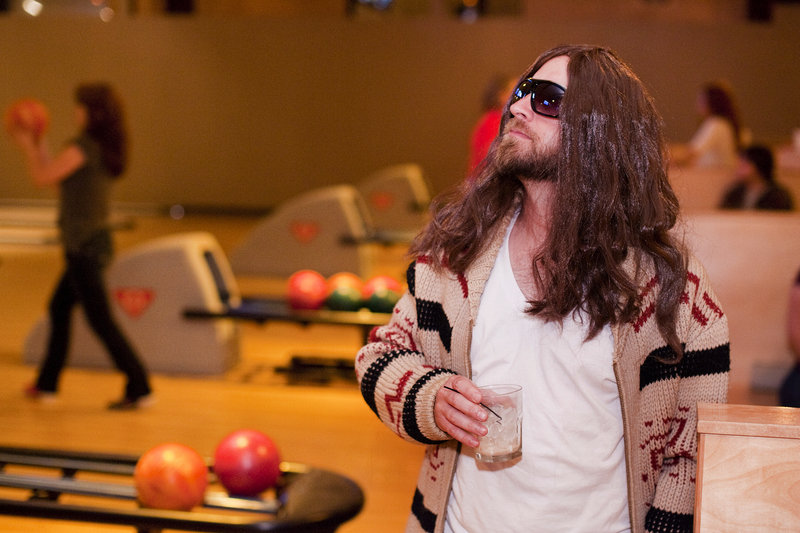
{"x":32,"y":392}
{"x":129,"y":404}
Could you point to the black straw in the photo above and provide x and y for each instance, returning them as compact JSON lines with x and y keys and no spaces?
{"x":485,"y":406}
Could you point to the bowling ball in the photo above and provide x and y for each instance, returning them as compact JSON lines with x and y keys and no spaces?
{"x":247,"y":462}
{"x":28,"y":114}
{"x":345,"y":278}
{"x":344,"y":292}
{"x":171,"y":476}
{"x":380,"y":294}
{"x":306,"y":290}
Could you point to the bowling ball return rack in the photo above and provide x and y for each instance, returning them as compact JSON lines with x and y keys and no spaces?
{"x":306,"y":500}
{"x":320,"y":368}
{"x":262,"y":310}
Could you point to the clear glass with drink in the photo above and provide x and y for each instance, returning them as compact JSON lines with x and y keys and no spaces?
{"x":503,"y":442}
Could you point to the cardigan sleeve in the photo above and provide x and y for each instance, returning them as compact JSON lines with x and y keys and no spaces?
{"x":700,"y":376}
{"x":398,"y":380}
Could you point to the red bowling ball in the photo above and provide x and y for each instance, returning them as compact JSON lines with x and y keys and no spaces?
{"x":307,"y":289}
{"x":247,"y":463}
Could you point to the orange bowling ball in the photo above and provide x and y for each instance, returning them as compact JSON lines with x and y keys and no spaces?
{"x":28,"y":114}
{"x":171,"y":476}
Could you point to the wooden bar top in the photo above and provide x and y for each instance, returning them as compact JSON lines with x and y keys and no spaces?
{"x":748,"y":420}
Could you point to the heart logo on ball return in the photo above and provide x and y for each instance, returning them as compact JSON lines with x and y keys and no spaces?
{"x":133,"y":300}
{"x":304,"y":231}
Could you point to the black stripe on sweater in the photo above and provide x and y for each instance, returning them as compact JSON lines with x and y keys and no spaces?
{"x":370,"y":379}
{"x":430,"y":314}
{"x":427,"y":519}
{"x":661,"y":521}
{"x":411,"y":278}
{"x":431,"y":317}
{"x":410,"y":406}
{"x":694,"y":363}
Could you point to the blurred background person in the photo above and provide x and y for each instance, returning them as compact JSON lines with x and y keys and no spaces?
{"x":488,"y":126}
{"x":720,"y":135}
{"x":789,"y":394}
{"x":83,"y":171}
{"x":755,"y":186}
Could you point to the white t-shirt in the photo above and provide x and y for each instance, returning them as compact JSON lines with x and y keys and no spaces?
{"x":571,"y":477}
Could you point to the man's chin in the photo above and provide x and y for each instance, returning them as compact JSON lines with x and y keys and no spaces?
{"x":527,"y":165}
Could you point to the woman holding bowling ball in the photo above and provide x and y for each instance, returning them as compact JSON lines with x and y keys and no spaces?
{"x":83,"y":172}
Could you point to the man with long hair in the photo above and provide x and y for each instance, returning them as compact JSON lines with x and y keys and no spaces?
{"x":556,"y":269}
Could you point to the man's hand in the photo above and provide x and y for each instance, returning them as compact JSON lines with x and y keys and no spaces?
{"x":458,"y":412}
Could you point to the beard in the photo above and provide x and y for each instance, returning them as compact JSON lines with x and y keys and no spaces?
{"x":514,"y":157}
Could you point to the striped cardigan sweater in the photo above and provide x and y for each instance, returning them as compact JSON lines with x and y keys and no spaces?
{"x":428,"y":340}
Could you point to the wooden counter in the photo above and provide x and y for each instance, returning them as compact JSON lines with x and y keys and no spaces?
{"x":748,"y":472}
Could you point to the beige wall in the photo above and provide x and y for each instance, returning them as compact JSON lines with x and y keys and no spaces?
{"x":247,"y":112}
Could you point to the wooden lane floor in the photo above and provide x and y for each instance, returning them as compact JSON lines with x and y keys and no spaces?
{"x":325,"y":426}
{"x":328,"y":427}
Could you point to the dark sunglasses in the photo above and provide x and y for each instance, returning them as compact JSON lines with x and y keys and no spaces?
{"x":545,"y":96}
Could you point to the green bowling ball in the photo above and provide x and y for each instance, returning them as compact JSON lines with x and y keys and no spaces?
{"x":382,"y":300}
{"x":380,"y":294}
{"x":344,"y":298}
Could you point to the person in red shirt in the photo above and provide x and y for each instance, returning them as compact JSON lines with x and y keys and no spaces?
{"x":488,"y":125}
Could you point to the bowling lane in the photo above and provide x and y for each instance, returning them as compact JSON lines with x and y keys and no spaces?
{"x":329,"y":427}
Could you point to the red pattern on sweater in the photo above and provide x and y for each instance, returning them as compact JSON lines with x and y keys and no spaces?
{"x":396,"y":399}
{"x":657,"y":443}
{"x":648,"y":311}
{"x":434,"y":462}
{"x":464,"y":288}
{"x":644,"y":317}
{"x":649,"y":286}
{"x":402,"y":335}
{"x":712,"y":304}
{"x":698,"y":315}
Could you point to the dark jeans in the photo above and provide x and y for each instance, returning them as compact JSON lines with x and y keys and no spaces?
{"x":82,"y":282}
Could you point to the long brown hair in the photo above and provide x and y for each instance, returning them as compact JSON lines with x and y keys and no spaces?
{"x":613,"y":202}
{"x":105,"y":124}
{"x":721,"y":103}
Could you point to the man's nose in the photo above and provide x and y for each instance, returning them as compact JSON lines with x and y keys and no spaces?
{"x":522,"y":108}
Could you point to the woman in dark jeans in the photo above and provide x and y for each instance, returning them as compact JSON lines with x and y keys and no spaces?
{"x":84,"y":172}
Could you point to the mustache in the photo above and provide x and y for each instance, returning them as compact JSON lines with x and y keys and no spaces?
{"x":514,"y":123}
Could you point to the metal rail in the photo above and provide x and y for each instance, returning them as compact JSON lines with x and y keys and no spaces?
{"x":306,"y":499}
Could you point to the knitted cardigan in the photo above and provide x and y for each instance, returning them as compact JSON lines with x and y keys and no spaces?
{"x":428,"y":340}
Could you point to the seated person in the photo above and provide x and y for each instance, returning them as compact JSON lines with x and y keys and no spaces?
{"x":755,"y":186}
{"x":720,"y":133}
{"x":789,"y":394}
